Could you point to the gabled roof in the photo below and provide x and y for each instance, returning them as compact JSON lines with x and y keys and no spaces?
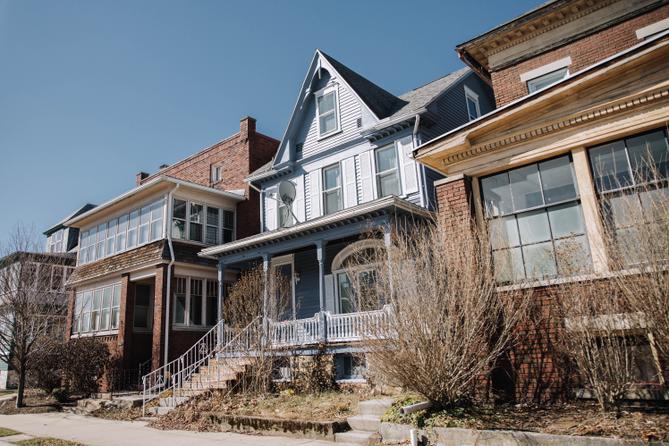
{"x":61,"y":224}
{"x":381,"y":102}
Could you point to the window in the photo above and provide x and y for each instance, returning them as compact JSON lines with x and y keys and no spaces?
{"x":535,"y":221}
{"x":208,"y":224}
{"x":192,"y":307}
{"x":387,"y":171}
{"x":55,"y":241}
{"x":349,"y":366}
{"x":284,"y":214}
{"x":126,"y":231}
{"x":472,"y":100}
{"x":332,"y":190}
{"x":142,"y":314}
{"x":97,"y":310}
{"x":630,"y":177}
{"x":326,"y":106}
{"x":546,"y":80}
{"x":215,"y":174}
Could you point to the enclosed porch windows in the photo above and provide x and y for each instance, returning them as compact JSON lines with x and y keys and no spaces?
{"x":97,"y":310}
{"x":192,"y":307}
{"x":536,"y":223}
{"x":202,"y":223}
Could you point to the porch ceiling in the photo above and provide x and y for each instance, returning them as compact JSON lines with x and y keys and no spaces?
{"x":355,"y":220}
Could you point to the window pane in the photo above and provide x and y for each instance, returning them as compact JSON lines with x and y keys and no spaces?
{"x":610,"y":167}
{"x":628,"y":241}
{"x":121,"y":230}
{"x":178,"y":229}
{"x":196,"y":232}
{"x":389,"y":184}
{"x":332,"y":201}
{"x":328,"y":123}
{"x":508,"y":264}
{"x":533,"y":226}
{"x":104,"y":324}
{"x":156,"y":229}
{"x":115,"y":318}
{"x":557,"y":180}
{"x":116,"y":297}
{"x":649,"y":156}
{"x":326,"y":103}
{"x":331,"y":177}
{"x":622,"y":210}
{"x":573,"y":255}
{"x":566,"y":220}
{"x":179,"y":210}
{"x":472,"y":109}
{"x":497,"y":195}
{"x":386,"y":159}
{"x":525,"y":188}
{"x":346,"y":303}
{"x":143,"y":234}
{"x":106,"y":297}
{"x":212,"y":216}
{"x":179,"y":314}
{"x":157,"y":210}
{"x":211,"y":235}
{"x":655,"y":203}
{"x":195,"y":309}
{"x":196,"y":213}
{"x":145,"y":215}
{"x":504,"y":232}
{"x":546,"y":80}
{"x":227,"y":235}
{"x":228,"y":219}
{"x":539,"y":260}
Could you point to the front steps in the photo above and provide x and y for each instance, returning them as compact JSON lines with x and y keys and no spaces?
{"x":365,"y":425}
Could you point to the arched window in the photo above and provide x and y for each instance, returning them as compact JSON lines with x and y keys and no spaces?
{"x":355,"y":272}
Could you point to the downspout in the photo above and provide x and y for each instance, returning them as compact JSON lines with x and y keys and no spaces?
{"x":416,"y":143}
{"x":168,"y":289}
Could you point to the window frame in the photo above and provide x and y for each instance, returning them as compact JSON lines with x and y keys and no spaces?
{"x":80,"y":312}
{"x":221,"y":225}
{"x":326,"y":192}
{"x":319,"y":94}
{"x":186,"y":324}
{"x":215,"y":175}
{"x":396,"y":170}
{"x":474,"y":97}
{"x":529,"y":82}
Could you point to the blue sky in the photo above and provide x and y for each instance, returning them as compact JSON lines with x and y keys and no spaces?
{"x":92,"y":92}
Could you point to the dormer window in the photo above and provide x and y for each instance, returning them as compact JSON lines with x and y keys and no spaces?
{"x":327,"y":111}
{"x":473,"y":108}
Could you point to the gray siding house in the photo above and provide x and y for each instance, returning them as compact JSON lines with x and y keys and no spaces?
{"x":347,"y":153}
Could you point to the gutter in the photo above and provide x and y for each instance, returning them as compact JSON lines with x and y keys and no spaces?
{"x":168,"y":288}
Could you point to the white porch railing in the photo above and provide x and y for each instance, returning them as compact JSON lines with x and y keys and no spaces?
{"x":296,"y":332}
{"x":349,"y":327}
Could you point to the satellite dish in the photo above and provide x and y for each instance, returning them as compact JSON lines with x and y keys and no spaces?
{"x":287,"y":192}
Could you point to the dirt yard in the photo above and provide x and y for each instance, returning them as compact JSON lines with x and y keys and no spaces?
{"x":35,"y":401}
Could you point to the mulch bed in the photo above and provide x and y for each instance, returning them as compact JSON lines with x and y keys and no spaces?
{"x":35,"y":401}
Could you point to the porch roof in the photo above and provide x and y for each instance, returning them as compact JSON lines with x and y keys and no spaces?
{"x":346,"y":222}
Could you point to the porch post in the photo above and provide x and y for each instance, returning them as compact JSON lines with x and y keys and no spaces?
{"x":321,"y":274}
{"x":265,"y":297}
{"x":387,"y":241}
{"x":221,"y":298}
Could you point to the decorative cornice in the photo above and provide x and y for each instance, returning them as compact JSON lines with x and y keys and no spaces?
{"x":575,"y":119}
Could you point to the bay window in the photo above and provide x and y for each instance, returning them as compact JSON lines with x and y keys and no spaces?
{"x":387,"y":171}
{"x":192,"y":308}
{"x":630,"y":177}
{"x":201,"y":223}
{"x":535,"y":222}
{"x":332,"y":189}
{"x":326,"y":109}
{"x":97,"y":310}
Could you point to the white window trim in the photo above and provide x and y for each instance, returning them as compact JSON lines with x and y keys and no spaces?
{"x":470,"y":94}
{"x":215,"y":173}
{"x":318,"y":94}
{"x":652,"y":29}
{"x":186,"y":325}
{"x":546,"y":69}
{"x":377,"y":173}
{"x":340,"y":187}
{"x":221,"y":222}
{"x":111,"y":307}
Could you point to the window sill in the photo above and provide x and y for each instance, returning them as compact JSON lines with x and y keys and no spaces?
{"x":178,"y":327}
{"x":93,"y":334}
{"x":327,"y":135}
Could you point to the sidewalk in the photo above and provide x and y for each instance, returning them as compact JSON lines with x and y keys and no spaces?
{"x":99,"y":432}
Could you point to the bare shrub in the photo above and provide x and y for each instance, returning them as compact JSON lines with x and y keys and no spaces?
{"x":449,"y":326}
{"x":82,"y":363}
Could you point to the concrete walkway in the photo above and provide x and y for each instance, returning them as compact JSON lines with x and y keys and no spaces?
{"x":99,"y":432}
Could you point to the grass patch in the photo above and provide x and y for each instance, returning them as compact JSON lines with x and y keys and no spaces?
{"x":48,"y":441}
{"x":4,"y":432}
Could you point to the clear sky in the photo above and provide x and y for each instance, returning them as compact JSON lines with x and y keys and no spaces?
{"x":92,"y":91}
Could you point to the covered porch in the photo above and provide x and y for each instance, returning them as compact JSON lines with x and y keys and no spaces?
{"x":323,"y":307}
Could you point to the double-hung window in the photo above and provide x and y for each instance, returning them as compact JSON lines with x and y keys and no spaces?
{"x":196,"y":220}
{"x":630,"y":177}
{"x":228,"y":228}
{"x":202,"y":223}
{"x":326,"y":108}
{"x":387,"y":171}
{"x":535,"y":221}
{"x":133,"y":222}
{"x":102,"y":237}
{"x":546,"y":80}
{"x":215,"y":174}
{"x":194,"y":308}
{"x":111,"y":237}
{"x":179,"y":219}
{"x":332,"y":190}
{"x":213,"y":223}
{"x":144,"y":224}
{"x":284,"y":214}
{"x":472,"y":101}
{"x":121,"y":229}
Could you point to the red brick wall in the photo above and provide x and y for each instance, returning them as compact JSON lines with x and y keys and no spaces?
{"x":584,"y":53}
{"x":455,"y":202}
{"x":238,"y":156}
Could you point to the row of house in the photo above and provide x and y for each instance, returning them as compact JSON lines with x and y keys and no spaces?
{"x":527,"y":137}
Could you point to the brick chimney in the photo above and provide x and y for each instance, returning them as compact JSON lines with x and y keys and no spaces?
{"x":247,"y":126}
{"x":141,"y":176}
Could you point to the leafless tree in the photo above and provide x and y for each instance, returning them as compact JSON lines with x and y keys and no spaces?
{"x":449,"y":325}
{"x":32,"y":302}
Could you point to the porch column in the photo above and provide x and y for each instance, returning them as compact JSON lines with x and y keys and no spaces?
{"x":321,"y":273}
{"x":265,"y":288}
{"x":387,"y":241}
{"x":221,"y":299}
{"x":158,"y":350}
{"x":124,"y":337}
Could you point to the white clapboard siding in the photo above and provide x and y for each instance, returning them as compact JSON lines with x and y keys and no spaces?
{"x":270,"y":209}
{"x":350,"y":185}
{"x":366,"y":176}
{"x":409,"y":170}
{"x":298,"y":204}
{"x":314,"y":194}
{"x":329,"y":293}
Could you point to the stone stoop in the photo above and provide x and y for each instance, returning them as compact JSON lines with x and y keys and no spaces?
{"x":217,"y":374}
{"x":365,"y":425}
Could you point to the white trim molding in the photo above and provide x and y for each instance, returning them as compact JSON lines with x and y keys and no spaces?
{"x":545,"y":69}
{"x":653,"y":28}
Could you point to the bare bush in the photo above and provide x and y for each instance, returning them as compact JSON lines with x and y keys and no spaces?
{"x":449,"y":326}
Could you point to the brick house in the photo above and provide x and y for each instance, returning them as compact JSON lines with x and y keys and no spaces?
{"x":139,"y":283}
{"x":578,"y":84}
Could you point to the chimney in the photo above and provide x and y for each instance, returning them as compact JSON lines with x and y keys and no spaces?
{"x":247,"y":126}
{"x":141,"y":176}
{"x":163,"y":166}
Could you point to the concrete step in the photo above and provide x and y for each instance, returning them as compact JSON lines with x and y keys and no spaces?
{"x":374,"y":407}
{"x":205,"y":385}
{"x":160,"y":410}
{"x":366,"y":423}
{"x":166,"y":402}
{"x":356,"y":437}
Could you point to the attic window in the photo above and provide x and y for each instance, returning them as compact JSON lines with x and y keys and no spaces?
{"x":327,"y":111}
{"x":473,"y":108}
{"x":215,"y":174}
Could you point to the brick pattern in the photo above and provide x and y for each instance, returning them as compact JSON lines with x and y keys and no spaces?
{"x":584,"y":53}
{"x":158,"y":338}
{"x":455,"y":203}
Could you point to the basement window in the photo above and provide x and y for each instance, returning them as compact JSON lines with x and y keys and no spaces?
{"x":349,"y":366}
